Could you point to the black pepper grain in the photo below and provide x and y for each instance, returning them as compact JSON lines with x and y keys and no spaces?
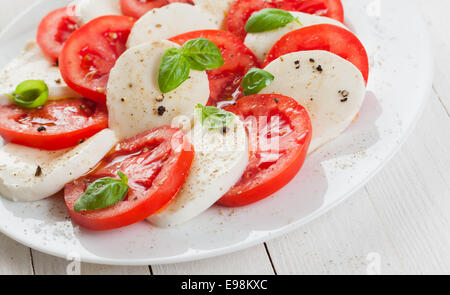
{"x":161,"y":110}
{"x":311,"y":60}
{"x":224,"y":130}
{"x":38,"y":171}
{"x":41,"y":129}
{"x":344,"y":94}
{"x":319,"y":68}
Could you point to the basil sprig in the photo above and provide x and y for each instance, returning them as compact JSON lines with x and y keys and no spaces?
{"x":197,"y":54}
{"x":269,"y":19}
{"x":256,"y":80}
{"x":202,"y":54}
{"x":30,"y":94}
{"x":173,"y":71}
{"x":214,"y":118}
{"x":103,"y":193}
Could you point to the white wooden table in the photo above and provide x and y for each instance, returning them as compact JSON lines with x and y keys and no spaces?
{"x":402,"y":216}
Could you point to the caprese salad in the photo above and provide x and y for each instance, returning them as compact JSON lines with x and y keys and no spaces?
{"x":157,"y":110}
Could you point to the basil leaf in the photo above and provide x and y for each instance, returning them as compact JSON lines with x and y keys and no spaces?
{"x":269,"y":19}
{"x":214,"y":118}
{"x":256,"y":80}
{"x":30,"y":94}
{"x":202,"y":54}
{"x":103,"y":193}
{"x":173,"y":71}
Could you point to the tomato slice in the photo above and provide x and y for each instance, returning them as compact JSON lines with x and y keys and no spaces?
{"x":54,"y":30}
{"x":326,"y":37}
{"x":90,"y":52}
{"x":328,"y":8}
{"x":137,"y":8}
{"x":156,"y":162}
{"x":279,"y":136}
{"x":57,"y":125}
{"x":241,"y":10}
{"x":225,"y":82}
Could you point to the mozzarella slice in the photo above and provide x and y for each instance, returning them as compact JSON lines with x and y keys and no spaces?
{"x":219,"y":9}
{"x":329,"y":87}
{"x":261,"y":43}
{"x":87,"y":10}
{"x":22,"y":181}
{"x":219,"y":162}
{"x":32,"y":64}
{"x":136,"y":104}
{"x":169,"y":21}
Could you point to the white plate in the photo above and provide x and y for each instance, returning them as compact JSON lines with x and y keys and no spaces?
{"x":397,"y":41}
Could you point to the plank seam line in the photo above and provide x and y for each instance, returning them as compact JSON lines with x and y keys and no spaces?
{"x":441,"y":101}
{"x":151,"y":270}
{"x":270,"y":259}
{"x":32,"y":261}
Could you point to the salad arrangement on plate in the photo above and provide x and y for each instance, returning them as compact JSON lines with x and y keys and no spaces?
{"x":158,"y":110}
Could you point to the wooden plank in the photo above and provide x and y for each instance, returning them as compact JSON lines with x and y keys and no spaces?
{"x":248,"y":262}
{"x":48,"y":265}
{"x":412,"y":195}
{"x":14,"y":258}
{"x":344,"y":241}
{"x":435,"y":13}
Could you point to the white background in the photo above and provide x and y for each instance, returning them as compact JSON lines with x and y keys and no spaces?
{"x":402,"y":216}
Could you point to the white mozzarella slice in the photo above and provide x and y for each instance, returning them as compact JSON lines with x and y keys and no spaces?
{"x":261,"y":43}
{"x":219,"y":162}
{"x":169,"y":21}
{"x":330,"y":88}
{"x":87,"y":10}
{"x":22,"y":181}
{"x":136,"y":104}
{"x":32,"y":64}
{"x":219,"y":9}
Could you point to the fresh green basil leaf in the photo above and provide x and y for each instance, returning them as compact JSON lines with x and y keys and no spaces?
{"x":268,"y":19}
{"x":202,"y":54}
{"x":256,"y":80}
{"x":173,"y":71}
{"x":30,"y":94}
{"x":214,"y":118}
{"x":103,"y":193}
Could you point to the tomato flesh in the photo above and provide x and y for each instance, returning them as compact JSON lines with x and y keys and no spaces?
{"x":241,"y":10}
{"x":90,"y":53}
{"x":156,"y":162}
{"x":57,"y":125}
{"x":279,"y":132}
{"x":326,"y":37}
{"x":54,"y":30}
{"x":137,"y":8}
{"x":225,"y":82}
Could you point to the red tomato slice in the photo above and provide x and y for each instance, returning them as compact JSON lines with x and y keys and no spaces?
{"x":156,"y":162}
{"x":279,"y":136}
{"x":323,"y":37}
{"x":90,"y":53}
{"x":225,"y":82}
{"x":241,"y":10}
{"x":137,"y":8}
{"x":328,"y":8}
{"x":57,"y":125}
{"x":54,"y":30}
